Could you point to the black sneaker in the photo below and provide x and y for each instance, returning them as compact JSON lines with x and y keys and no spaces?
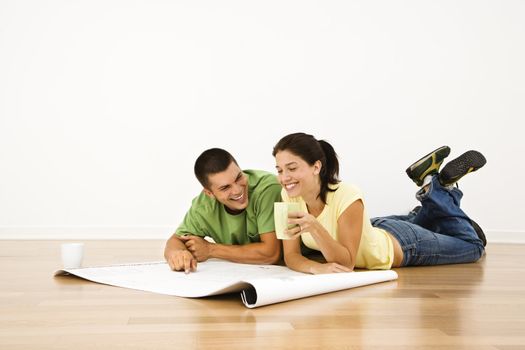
{"x":479,"y":231}
{"x":428,"y":165}
{"x":416,"y":210}
{"x":455,"y":169}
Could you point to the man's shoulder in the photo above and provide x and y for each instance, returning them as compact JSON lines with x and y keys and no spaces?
{"x":261,"y":178}
{"x":263,"y":184}
{"x":204,"y":204}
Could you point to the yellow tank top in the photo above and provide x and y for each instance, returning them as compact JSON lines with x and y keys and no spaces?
{"x":376,"y":250}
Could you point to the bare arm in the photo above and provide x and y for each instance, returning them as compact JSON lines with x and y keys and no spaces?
{"x":342,"y":251}
{"x":297,"y":262}
{"x":178,"y":256}
{"x":267,"y":251}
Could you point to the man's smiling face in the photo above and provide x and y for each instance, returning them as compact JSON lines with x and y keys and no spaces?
{"x":230,"y":187}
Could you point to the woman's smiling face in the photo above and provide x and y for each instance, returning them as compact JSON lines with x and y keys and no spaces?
{"x":295,"y":175}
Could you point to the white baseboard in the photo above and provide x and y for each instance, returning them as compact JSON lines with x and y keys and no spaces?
{"x":85,"y":232}
{"x":505,"y":236}
{"x":160,"y":232}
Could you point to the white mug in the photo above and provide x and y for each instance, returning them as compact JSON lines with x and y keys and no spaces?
{"x":72,"y":255}
{"x":280,"y":216}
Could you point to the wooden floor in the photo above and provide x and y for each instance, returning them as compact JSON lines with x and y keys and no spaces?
{"x":473,"y":306}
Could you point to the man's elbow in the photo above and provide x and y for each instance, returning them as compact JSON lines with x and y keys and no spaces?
{"x":272,"y":257}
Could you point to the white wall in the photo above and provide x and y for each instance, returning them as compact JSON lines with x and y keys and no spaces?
{"x":104,"y":105}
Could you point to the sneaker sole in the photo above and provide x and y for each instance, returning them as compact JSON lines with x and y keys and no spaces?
{"x":428,"y":164}
{"x":466,"y":163}
{"x":479,"y":232}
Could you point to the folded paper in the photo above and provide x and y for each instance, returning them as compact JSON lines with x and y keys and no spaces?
{"x":258,"y":284}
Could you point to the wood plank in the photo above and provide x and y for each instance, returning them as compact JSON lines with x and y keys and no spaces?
{"x":470,"y":306}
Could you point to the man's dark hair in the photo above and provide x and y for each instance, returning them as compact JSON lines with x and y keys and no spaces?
{"x":212,"y":161}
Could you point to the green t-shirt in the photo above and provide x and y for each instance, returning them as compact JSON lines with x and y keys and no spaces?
{"x":208,"y":217}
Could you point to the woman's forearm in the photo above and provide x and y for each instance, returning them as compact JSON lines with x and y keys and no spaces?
{"x":298,"y":262}
{"x":332,"y":250}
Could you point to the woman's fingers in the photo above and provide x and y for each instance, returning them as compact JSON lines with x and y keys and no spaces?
{"x":335,"y":268}
{"x":339,"y":268}
{"x":295,"y":231}
{"x":295,"y":214}
{"x":329,"y":268}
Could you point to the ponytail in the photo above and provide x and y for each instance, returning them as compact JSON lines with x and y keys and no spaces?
{"x":330,"y":169}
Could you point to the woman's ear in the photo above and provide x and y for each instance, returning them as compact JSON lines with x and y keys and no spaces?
{"x":317,"y":167}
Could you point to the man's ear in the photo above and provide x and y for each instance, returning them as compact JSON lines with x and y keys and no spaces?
{"x":208,"y":193}
{"x":317,"y":167}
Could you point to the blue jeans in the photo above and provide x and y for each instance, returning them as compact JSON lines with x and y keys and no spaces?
{"x":440,"y":233}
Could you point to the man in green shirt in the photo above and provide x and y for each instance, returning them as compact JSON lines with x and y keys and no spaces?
{"x":235,"y":209}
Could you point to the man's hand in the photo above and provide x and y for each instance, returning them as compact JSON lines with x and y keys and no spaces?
{"x":181,"y":260}
{"x":197,"y":246}
{"x":178,"y":257}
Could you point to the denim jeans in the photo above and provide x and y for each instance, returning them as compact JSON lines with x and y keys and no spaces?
{"x":439,"y":233}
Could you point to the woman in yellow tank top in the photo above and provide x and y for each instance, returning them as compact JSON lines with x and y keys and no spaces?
{"x":333,"y":217}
